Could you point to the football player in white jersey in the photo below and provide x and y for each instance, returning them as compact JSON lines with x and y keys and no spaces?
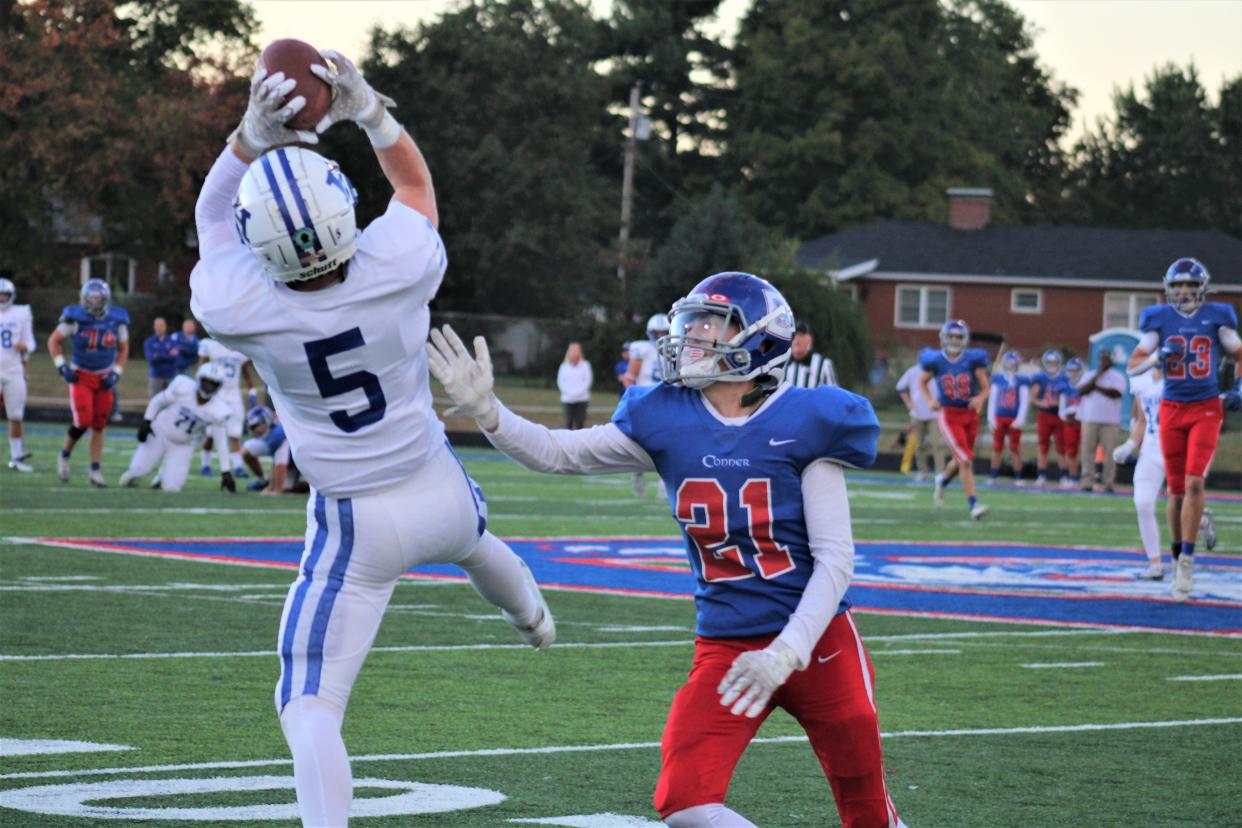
{"x":186,"y":409}
{"x":644,"y":370}
{"x":335,"y":321}
{"x":235,"y":367}
{"x":1148,"y":390}
{"x":16,"y":342}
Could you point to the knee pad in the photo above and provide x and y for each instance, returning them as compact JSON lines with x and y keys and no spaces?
{"x":76,"y":433}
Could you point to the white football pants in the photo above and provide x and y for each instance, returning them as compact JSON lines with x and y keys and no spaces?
{"x":13,"y":386}
{"x":176,"y":461}
{"x":1148,"y":478}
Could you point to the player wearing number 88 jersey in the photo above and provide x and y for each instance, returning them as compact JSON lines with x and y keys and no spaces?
{"x":335,"y":322}
{"x":753,"y":471}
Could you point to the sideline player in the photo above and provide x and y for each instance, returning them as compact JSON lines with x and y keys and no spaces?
{"x":755,"y":471}
{"x":961,"y":378}
{"x":184,"y":410}
{"x":1068,"y":405}
{"x":268,"y":441}
{"x":1007,"y":403}
{"x":1189,"y":337}
{"x":1046,"y":388}
{"x":98,"y":333}
{"x":235,"y":367}
{"x":16,"y":343}
{"x":643,"y":372}
{"x":336,"y":323}
{"x":1144,"y":438}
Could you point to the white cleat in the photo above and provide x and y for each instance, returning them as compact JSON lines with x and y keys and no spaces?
{"x":938,"y":491}
{"x":62,"y":468}
{"x":1207,"y":528}
{"x":640,"y":486}
{"x":979,"y":511}
{"x":18,"y":465}
{"x":1066,"y":483}
{"x":1042,"y":480}
{"x":1183,"y":575}
{"x":125,"y":480}
{"x":97,"y":480}
{"x":542,"y":633}
{"x":1153,"y":572}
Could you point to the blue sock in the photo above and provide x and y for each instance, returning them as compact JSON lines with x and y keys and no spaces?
{"x":971,"y":499}
{"x":94,"y":467}
{"x":64,"y":453}
{"x":1188,"y":548}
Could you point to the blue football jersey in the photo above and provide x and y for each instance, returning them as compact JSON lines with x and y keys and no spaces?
{"x":955,"y":379}
{"x":1192,"y":376}
{"x":274,"y":438}
{"x":96,"y":340}
{"x":736,"y":490}
{"x":1046,"y":390}
{"x":1073,"y":399}
{"x":1007,"y":393}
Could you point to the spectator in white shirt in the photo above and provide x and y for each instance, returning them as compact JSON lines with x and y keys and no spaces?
{"x":922,"y":423}
{"x":1100,"y":414}
{"x":574,"y":381}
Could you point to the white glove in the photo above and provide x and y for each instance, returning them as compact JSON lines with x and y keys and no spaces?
{"x":467,"y":379}
{"x":353,"y":99}
{"x":754,"y":677}
{"x":263,"y":125}
{"x":1122,"y":453}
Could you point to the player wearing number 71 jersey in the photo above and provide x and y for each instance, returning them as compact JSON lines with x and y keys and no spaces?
{"x":1188,"y":335}
{"x":753,"y":471}
{"x":335,"y":321}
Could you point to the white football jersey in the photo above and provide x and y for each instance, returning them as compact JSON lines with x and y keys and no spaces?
{"x":346,"y":365}
{"x":177,"y":415}
{"x":648,"y":371}
{"x":16,"y":326}
{"x":1149,"y":392}
{"x":229,"y":360}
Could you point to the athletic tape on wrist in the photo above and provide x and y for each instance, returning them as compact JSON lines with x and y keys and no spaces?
{"x":386,"y":134}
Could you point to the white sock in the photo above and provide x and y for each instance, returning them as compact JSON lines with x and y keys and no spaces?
{"x":236,"y":458}
{"x":1149,"y":529}
{"x":321,"y":774}
{"x":496,"y":573}
{"x":206,"y":455}
{"x":15,"y":448}
{"x":707,"y":816}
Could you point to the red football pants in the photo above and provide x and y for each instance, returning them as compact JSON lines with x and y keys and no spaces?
{"x":832,"y":699}
{"x":1188,"y":435}
{"x":1047,"y":427}
{"x":91,"y":402}
{"x":1005,"y":429}
{"x":960,"y":427}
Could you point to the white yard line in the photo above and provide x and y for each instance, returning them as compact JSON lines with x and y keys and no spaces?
{"x":1226,"y":677}
{"x":1063,"y":665}
{"x":453,"y":754}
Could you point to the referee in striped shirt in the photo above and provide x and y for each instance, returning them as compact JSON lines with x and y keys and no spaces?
{"x":805,"y":368}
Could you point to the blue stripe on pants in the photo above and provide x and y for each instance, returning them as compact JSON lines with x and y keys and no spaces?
{"x":291,"y":621}
{"x":476,"y":493}
{"x":323,"y":613}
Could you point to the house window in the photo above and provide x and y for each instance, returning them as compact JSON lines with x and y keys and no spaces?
{"x":921,"y":306}
{"x":1026,"y":300}
{"x":1121,"y":310}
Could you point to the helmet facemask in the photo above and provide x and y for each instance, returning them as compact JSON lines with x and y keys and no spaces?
{"x":1186,"y":296}
{"x":207,"y":387}
{"x":699,"y":348}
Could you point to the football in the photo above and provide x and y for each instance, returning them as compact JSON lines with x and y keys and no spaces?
{"x":295,"y":58}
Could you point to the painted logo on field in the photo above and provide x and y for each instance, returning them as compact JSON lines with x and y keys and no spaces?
{"x":1070,"y":586}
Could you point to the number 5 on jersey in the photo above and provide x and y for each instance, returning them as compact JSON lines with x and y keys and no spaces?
{"x":703,"y":509}
{"x":318,"y":352}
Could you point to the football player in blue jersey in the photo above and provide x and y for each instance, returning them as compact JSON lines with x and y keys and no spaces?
{"x":1071,"y":427}
{"x":961,"y":382}
{"x":98,"y":333}
{"x":1007,"y":402}
{"x":754,"y":473}
{"x":1189,"y":336}
{"x":1046,"y":388}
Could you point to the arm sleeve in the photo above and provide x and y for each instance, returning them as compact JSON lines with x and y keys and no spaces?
{"x":122,"y":333}
{"x":1062,"y":405}
{"x":827,"y":508}
{"x":1149,"y":341}
{"x":600,"y":449}
{"x":1024,"y":401}
{"x":67,"y":327}
{"x":158,"y":403}
{"x":213,"y":214}
{"x":220,"y":436}
{"x":280,"y":457}
{"x":1229,"y":339}
{"x":27,"y":334}
{"x":992,"y":394}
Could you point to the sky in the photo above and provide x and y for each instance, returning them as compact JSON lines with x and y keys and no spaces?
{"x":1096,"y":46}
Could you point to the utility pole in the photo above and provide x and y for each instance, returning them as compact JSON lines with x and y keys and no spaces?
{"x":627,"y":186}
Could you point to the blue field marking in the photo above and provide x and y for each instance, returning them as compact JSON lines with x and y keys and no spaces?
{"x":1057,"y":585}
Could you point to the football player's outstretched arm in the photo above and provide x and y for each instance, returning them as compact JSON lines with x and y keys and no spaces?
{"x":601,"y":449}
{"x":985,"y":387}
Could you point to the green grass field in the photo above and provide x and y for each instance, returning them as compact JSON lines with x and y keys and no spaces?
{"x":175,"y":659}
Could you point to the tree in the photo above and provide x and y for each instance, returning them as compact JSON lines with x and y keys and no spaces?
{"x":847,"y":111}
{"x":1168,"y":158}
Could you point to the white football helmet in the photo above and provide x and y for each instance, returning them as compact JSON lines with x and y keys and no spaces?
{"x":7,"y":293}
{"x":295,"y":209}
{"x":210,"y":376}
{"x":657,"y":326}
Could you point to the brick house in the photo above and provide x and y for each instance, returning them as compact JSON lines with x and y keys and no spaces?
{"x":1036,"y":285}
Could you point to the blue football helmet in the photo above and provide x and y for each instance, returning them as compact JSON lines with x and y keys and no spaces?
{"x":1074,"y":365}
{"x":259,"y":417}
{"x":731,"y":327}
{"x":95,"y":297}
{"x":1051,"y":361}
{"x":954,"y":337}
{"x":1011,"y":362}
{"x":1185,"y":284}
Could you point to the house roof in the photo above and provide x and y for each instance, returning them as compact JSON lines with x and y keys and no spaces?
{"x":1075,"y":256}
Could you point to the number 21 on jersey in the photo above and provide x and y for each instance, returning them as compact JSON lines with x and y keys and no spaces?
{"x":703,"y":509}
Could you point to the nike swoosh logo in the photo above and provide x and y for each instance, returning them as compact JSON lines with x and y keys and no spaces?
{"x":826,"y":659}
{"x":775,"y":442}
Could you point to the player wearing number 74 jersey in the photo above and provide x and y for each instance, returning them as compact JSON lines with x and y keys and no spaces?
{"x":335,"y":321}
{"x":1188,"y":335}
{"x":753,"y":470}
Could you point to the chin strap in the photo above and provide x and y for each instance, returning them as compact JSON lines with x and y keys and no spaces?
{"x":765,"y":386}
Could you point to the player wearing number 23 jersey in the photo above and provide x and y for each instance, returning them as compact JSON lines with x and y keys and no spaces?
{"x":753,"y":470}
